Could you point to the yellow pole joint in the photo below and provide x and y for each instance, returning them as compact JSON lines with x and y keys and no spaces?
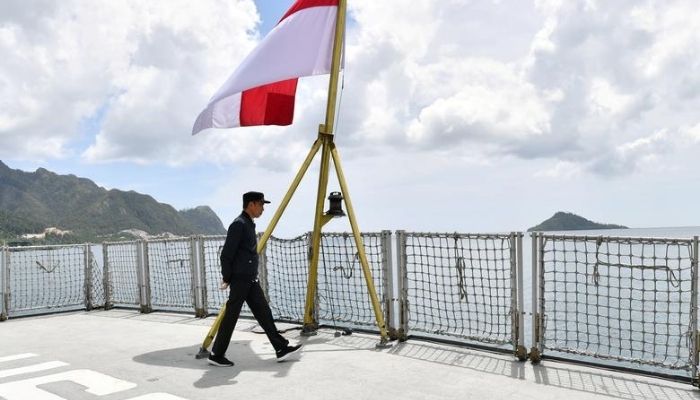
{"x":326,"y":219}
{"x":290,"y":192}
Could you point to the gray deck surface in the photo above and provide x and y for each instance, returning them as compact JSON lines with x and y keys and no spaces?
{"x":122,"y":354}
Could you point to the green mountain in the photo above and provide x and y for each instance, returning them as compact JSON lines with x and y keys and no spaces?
{"x":202,"y":218}
{"x":33,"y":201}
{"x":564,"y":221}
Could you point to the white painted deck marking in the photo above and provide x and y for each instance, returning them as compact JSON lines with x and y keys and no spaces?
{"x":95,"y":382}
{"x":158,"y":396}
{"x":32,"y":368}
{"x":17,"y":357}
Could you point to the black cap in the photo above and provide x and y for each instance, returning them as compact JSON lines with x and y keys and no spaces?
{"x":253,"y":196}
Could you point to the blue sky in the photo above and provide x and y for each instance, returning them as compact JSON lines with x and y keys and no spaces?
{"x":456,"y":116}
{"x":270,"y":13}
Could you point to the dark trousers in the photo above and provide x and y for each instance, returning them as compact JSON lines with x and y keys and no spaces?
{"x":249,"y":291}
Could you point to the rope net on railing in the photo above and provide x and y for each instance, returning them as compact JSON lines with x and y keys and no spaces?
{"x":49,"y":278}
{"x":287,"y":274}
{"x":170,"y":269}
{"x":342,"y":289}
{"x":121,"y":264}
{"x":96,"y":292}
{"x":460,"y":285}
{"x":624,"y":299}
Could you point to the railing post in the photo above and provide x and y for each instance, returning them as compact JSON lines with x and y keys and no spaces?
{"x":540,"y":290}
{"x":106,"y":281}
{"x":695,"y":349}
{"x":4,"y":282}
{"x":196,"y":266}
{"x":512,"y":257}
{"x":144,"y":279}
{"x":88,"y":276}
{"x":203,"y":276}
{"x":388,"y":285}
{"x":521,"y":293}
{"x":535,"y":355}
{"x":309,"y":246}
{"x":402,"y":282}
{"x":518,"y":298}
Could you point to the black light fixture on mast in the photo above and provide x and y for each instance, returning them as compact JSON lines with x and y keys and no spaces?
{"x":335,"y":199}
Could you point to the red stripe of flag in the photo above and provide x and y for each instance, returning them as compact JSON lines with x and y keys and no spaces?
{"x":271,"y":104}
{"x":302,"y":4}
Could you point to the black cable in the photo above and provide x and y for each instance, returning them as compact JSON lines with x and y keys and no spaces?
{"x":330,"y":299}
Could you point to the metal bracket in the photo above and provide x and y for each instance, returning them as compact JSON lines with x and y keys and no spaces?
{"x":309,"y":329}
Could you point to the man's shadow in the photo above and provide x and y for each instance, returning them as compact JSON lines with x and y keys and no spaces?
{"x":239,"y":351}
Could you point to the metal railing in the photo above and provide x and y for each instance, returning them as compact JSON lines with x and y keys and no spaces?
{"x":623,"y":301}
{"x":41,"y":279}
{"x":463,"y":286}
{"x":629,"y":302}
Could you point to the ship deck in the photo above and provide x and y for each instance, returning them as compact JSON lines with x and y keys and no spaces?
{"x":123,"y":354}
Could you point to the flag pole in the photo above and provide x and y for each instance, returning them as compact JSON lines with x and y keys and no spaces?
{"x":325,"y":135}
{"x":327,"y":128}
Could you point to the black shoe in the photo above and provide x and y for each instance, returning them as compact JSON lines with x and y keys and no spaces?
{"x":284,"y":353}
{"x":219,"y":361}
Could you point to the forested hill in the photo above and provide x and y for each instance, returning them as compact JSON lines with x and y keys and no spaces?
{"x":33,"y":201}
{"x":564,"y":221}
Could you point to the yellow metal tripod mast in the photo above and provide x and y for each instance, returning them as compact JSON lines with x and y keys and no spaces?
{"x":324,"y":142}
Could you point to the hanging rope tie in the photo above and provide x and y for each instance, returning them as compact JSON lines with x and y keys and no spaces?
{"x":329,"y":288}
{"x":460,"y":266}
{"x":49,"y":269}
{"x":670,"y":273}
{"x":348,"y":272}
{"x":351,"y":265}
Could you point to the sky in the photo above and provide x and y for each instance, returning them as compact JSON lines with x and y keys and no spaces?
{"x":455,"y":115}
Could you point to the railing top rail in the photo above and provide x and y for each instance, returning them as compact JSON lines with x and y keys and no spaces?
{"x":496,"y":235}
{"x":212,"y":236}
{"x":171,"y":239}
{"x":114,"y":243}
{"x":44,"y":247}
{"x":638,"y":239}
{"x":349,"y":234}
{"x":294,"y":239}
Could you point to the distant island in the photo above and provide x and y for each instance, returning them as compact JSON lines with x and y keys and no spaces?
{"x":44,"y":207}
{"x":565,"y":221}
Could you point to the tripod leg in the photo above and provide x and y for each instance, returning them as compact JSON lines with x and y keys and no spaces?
{"x":288,"y":196}
{"x":360,"y":248}
{"x":203,"y":352}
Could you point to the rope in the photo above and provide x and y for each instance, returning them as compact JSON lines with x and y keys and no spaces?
{"x":636,"y":308}
{"x":460,"y":271}
{"x":459,"y":285}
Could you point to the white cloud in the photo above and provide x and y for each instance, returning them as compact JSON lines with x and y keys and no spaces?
{"x":620,"y":77}
{"x":148,"y":65}
{"x":584,"y":85}
{"x":607,"y":100}
{"x":691,"y":132}
{"x":642,"y":154}
{"x":561,"y":170}
{"x":489,"y":102}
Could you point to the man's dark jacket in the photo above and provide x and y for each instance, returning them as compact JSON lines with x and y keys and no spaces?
{"x":239,"y":257}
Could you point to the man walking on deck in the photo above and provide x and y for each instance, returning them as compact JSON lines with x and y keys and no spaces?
{"x":239,"y":271}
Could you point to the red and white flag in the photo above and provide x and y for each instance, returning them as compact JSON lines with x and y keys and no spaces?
{"x":261,"y":91}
